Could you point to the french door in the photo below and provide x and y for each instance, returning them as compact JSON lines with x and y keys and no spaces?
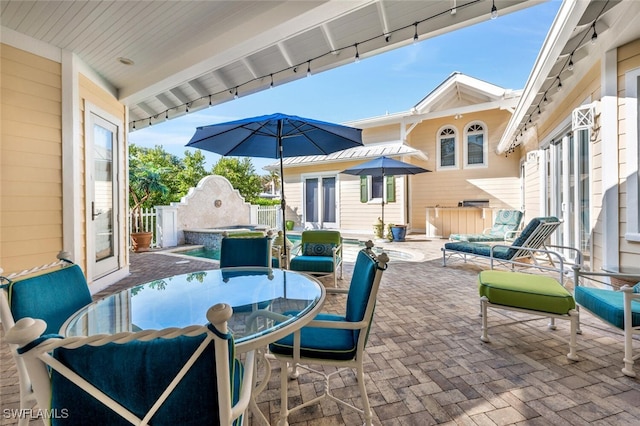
{"x":102,"y":196}
{"x":320,"y":202}
{"x":568,"y":189}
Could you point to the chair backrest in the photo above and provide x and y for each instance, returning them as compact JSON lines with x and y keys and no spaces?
{"x":505,"y":221}
{"x":52,"y":296}
{"x":363,"y":289}
{"x":533,"y":236}
{"x":319,"y":242}
{"x":180,"y":377}
{"x":245,"y":251}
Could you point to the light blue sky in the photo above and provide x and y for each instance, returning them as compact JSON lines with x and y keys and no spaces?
{"x":500,"y":51}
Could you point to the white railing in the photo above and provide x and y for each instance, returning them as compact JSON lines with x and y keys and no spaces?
{"x":266,"y":215}
{"x":260,"y":215}
{"x":147,"y":224}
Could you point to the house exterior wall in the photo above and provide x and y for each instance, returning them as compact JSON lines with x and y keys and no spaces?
{"x":589,"y":89}
{"x":42,"y":158}
{"x":498,"y":182}
{"x":628,"y":59}
{"x":30,"y":159}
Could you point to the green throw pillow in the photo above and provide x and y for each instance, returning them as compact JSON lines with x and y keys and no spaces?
{"x":318,"y":249}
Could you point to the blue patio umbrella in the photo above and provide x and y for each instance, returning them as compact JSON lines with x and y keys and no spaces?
{"x":384,"y":166}
{"x":276,"y":136}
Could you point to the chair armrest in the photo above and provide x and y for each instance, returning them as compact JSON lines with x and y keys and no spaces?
{"x":343,"y":325}
{"x":550,"y":253}
{"x":486,"y":231}
{"x":511,"y":235}
{"x":246,"y":387}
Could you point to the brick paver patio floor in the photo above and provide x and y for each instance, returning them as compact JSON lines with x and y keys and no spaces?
{"x":425,"y":362}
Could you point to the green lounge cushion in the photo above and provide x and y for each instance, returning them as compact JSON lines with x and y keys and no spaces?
{"x":321,"y":343}
{"x":608,"y":304}
{"x":525,"y":291}
{"x":312,"y":263}
{"x":52,"y":296}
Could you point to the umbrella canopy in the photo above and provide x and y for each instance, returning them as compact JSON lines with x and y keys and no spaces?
{"x":276,"y":136}
{"x":384,"y":166}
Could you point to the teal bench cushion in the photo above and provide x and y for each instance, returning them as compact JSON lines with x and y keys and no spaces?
{"x":321,"y":343}
{"x":479,"y":249}
{"x":525,"y":291}
{"x":312,"y":263}
{"x":608,"y":305}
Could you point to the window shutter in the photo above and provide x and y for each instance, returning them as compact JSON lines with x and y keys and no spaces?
{"x":364,"y":191}
{"x":391,"y":189}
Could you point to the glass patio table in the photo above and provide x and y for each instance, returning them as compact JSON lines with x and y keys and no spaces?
{"x":183,"y":300}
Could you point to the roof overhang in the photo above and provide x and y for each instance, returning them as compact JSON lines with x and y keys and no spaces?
{"x":190,"y":55}
{"x":568,"y":41}
{"x":365,"y":152}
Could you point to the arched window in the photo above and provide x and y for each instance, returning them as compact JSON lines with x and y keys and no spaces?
{"x":475,"y":147}
{"x":447,"y":149}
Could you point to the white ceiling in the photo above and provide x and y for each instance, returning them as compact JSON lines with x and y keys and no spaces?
{"x":192,"y":54}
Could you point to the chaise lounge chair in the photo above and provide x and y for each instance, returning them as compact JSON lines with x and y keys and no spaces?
{"x":505,"y":228}
{"x":525,"y":251}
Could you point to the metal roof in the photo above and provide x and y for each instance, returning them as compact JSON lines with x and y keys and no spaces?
{"x":365,"y":152}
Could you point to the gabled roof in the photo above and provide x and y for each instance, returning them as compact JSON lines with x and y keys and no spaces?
{"x":188,"y":55}
{"x":365,"y":152}
{"x":458,"y":94}
{"x":460,"y":90}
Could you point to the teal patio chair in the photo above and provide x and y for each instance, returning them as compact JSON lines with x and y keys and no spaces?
{"x":620,"y":309}
{"x":186,"y":376}
{"x":335,"y":340}
{"x":505,"y":228}
{"x":321,"y":254}
{"x":252,"y":249}
{"x":51,"y":293}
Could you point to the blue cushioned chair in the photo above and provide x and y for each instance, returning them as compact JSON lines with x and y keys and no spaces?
{"x":245,"y":250}
{"x":50,"y":292}
{"x":321,"y":254}
{"x":621,"y":309}
{"x":505,"y":228}
{"x":172,"y":377}
{"x":335,"y":340}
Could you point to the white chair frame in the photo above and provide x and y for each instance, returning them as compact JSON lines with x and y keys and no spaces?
{"x":38,"y":360}
{"x":357,"y":363}
{"x":628,"y":296}
{"x":27,"y":396}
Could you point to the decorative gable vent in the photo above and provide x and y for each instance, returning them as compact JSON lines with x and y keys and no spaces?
{"x":583,"y":117}
{"x":533,"y":156}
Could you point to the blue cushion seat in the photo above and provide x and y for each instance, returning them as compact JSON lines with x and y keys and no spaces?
{"x":312,"y":263}
{"x":525,"y":291}
{"x":608,"y":304}
{"x":321,"y":343}
{"x":52,"y":296}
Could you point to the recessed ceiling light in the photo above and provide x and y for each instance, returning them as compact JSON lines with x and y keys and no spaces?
{"x":125,"y":61}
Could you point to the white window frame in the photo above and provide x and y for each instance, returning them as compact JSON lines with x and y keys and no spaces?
{"x":439,"y":137}
{"x":632,"y":118}
{"x":485,"y":143}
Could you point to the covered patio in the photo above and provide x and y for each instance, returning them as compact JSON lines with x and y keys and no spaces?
{"x":425,"y":362}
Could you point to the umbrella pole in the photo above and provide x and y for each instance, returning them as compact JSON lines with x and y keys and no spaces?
{"x":283,"y":257}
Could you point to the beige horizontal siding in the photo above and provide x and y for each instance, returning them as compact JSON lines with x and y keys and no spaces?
{"x":30,"y":160}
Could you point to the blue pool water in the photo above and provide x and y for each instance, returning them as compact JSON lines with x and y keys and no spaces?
{"x":351,"y":248}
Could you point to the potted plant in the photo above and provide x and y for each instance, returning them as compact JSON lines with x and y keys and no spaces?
{"x":144,"y":181}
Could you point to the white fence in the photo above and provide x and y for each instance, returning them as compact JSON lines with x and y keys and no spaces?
{"x":260,"y":215}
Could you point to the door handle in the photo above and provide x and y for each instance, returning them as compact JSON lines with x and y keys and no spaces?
{"x":93,"y":211}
